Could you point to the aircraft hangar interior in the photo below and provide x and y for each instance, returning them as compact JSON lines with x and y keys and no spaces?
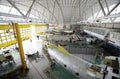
{"x":59,"y":39}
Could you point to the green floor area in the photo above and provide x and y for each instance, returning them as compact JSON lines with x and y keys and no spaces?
{"x":59,"y":72}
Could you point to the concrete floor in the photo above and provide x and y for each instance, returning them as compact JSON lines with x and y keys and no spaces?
{"x":36,"y":69}
{"x":36,"y":65}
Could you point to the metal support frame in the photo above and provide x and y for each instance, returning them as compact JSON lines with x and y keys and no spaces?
{"x":92,"y":13}
{"x":113,"y":8}
{"x":21,"y":51}
{"x":47,"y":10}
{"x":29,"y":10}
{"x":102,"y":7}
{"x":20,"y":17}
{"x":108,"y":8}
{"x":1,"y":8}
{"x":10,"y":15}
{"x":75,"y":7}
{"x":97,"y":14}
{"x":72,"y":18}
{"x":110,"y":16}
{"x":73,"y":3}
{"x":42,"y":16}
{"x":84,"y":7}
{"x":53,"y":9}
{"x":39,"y":13}
{"x":62,"y":2}
{"x":79,"y":10}
{"x":14,"y":16}
{"x":16,"y":7}
{"x":106,"y":17}
{"x":107,"y":5}
{"x":10,"y":9}
{"x":60,"y":10}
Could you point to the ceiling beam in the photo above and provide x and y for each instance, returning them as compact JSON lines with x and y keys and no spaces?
{"x":53,"y":9}
{"x":102,"y":8}
{"x":60,"y":10}
{"x":40,"y":13}
{"x":84,"y":9}
{"x":113,"y":8}
{"x":16,"y":7}
{"x":10,"y":9}
{"x":12,"y":15}
{"x":73,"y":3}
{"x":79,"y":10}
{"x":29,"y":10}
{"x":107,"y":17}
{"x":110,"y":16}
{"x":6,"y":17}
{"x":35,"y":9}
{"x":107,"y":5}
{"x":47,"y":10}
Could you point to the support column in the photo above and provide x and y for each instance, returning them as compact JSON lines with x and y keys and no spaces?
{"x":21,"y":51}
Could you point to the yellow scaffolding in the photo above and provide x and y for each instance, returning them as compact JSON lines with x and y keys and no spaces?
{"x":21,"y":51}
{"x":18,"y":33}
